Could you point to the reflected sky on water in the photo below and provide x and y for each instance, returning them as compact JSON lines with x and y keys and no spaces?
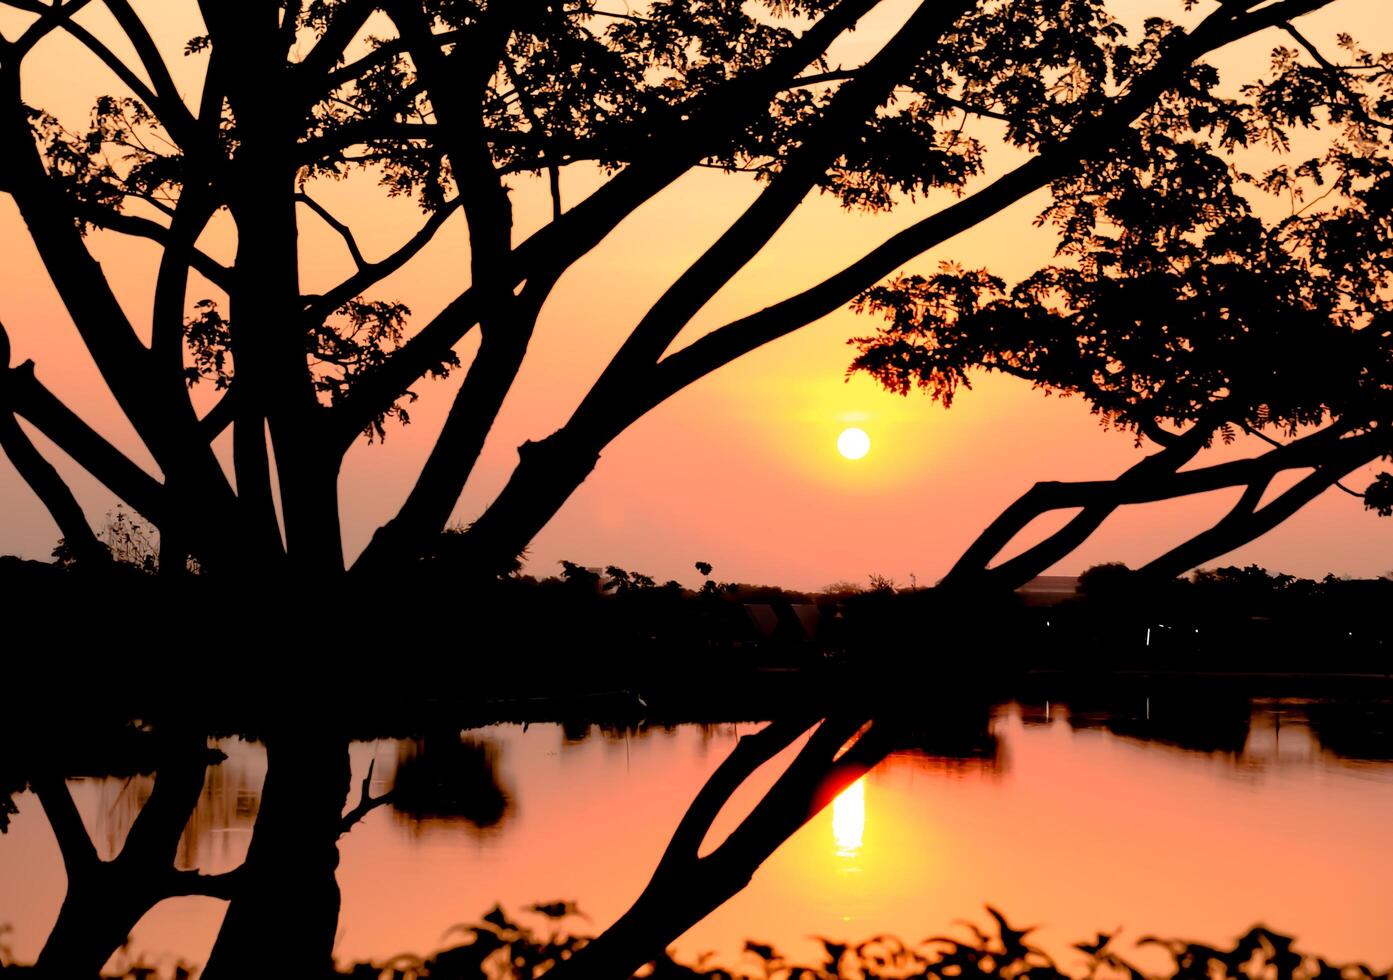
{"x":1189,"y":820}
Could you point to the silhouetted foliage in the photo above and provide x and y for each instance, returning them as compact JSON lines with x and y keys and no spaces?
{"x":1177,"y":301}
{"x":447,"y":104}
{"x":1113,"y":124}
{"x":131,"y":542}
{"x":1378,"y":496}
{"x":1180,"y":304}
{"x":500,"y":947}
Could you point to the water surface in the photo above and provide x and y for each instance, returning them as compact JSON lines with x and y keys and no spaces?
{"x":1153,"y":817}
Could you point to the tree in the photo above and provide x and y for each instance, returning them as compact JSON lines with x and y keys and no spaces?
{"x":451,"y":103}
{"x":448,"y":103}
{"x":1195,"y":296}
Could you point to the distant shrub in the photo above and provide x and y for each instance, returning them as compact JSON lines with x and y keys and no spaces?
{"x":1105,"y":581}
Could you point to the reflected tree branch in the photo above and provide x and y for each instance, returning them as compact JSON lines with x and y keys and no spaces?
{"x":105,"y":899}
{"x":686,"y":887}
{"x":74,"y":843}
{"x":367,"y":803}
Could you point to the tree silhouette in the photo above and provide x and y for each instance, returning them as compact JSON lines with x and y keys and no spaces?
{"x":1194,"y":301}
{"x":448,"y":103}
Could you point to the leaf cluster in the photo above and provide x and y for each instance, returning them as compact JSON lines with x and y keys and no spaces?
{"x":578,"y":82}
{"x":1186,"y":289}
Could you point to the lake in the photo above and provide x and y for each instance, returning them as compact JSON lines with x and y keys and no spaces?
{"x":1155,"y":816}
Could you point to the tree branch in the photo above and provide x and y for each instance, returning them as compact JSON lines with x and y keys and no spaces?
{"x":972,"y":568}
{"x":329,"y":49}
{"x":40,"y":474}
{"x":786,"y":190}
{"x":507,"y":321}
{"x":551,"y":158}
{"x":1242,"y":525}
{"x":1259,"y":434}
{"x":29,"y":398}
{"x":1153,"y":479}
{"x":225,"y":886}
{"x":725,"y":344}
{"x":824,"y":767}
{"x":366,"y":803}
{"x":192,"y":213}
{"x":451,"y":460}
{"x":170,"y":107}
{"x":74,"y":843}
{"x":174,"y":116}
{"x":370,"y":274}
{"x":138,"y":227}
{"x":152,"y":843}
{"x":1334,"y":78}
{"x":686,"y":888}
{"x":677,"y":146}
{"x":221,"y":415}
{"x":377,"y":390}
{"x":55,"y":15}
{"x":164,"y":422}
{"x":379,"y":56}
{"x":342,"y":229}
{"x":750,"y":752}
{"x":51,"y":490}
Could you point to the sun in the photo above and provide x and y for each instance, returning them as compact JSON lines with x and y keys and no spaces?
{"x":853,"y":443}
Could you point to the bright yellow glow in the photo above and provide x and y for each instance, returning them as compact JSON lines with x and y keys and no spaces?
{"x":853,"y":443}
{"x":849,"y":819}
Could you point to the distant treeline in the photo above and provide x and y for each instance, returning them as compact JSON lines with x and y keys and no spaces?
{"x":606,"y":627}
{"x":1228,"y":618}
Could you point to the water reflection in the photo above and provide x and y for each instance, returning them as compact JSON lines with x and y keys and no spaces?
{"x":1250,"y":735}
{"x":452,"y":782}
{"x":1211,"y":724}
{"x":849,"y":819}
{"x":216,"y":835}
{"x":446,"y":778}
{"x":1355,"y":733}
{"x":978,"y":804}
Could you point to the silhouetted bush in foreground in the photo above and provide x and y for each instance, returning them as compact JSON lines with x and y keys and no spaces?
{"x":500,"y":948}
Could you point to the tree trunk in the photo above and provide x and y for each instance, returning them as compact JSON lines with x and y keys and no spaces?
{"x":285,"y":915}
{"x":427,"y":509}
{"x":548,"y":472}
{"x":98,"y":913}
{"x":105,"y":899}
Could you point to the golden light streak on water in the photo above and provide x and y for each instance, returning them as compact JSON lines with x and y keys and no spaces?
{"x":849,"y":819}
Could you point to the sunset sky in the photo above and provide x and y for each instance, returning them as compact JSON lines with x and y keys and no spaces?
{"x":741,"y":469}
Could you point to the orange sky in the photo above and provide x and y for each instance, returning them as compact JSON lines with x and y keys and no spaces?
{"x":741,"y":469}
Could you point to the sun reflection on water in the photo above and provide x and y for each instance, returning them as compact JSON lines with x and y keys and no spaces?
{"x":849,"y":819}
